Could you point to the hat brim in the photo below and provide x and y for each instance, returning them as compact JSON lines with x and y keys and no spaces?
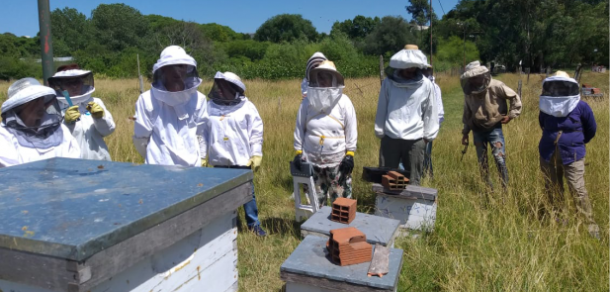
{"x":338,"y":76}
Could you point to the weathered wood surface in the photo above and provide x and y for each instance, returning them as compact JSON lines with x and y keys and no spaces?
{"x":415,"y":192}
{"x":307,"y":283}
{"x":415,"y":214}
{"x":381,"y":261}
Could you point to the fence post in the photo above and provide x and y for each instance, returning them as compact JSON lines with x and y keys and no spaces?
{"x":140,"y":75}
{"x":380,"y":69}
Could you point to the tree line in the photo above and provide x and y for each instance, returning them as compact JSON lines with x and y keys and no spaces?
{"x":539,"y":33}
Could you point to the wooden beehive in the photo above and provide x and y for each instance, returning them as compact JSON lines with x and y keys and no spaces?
{"x":394,"y":181}
{"x":348,"y":246}
{"x":344,"y":210}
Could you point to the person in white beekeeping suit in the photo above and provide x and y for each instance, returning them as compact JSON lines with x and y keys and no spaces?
{"x":87,"y":117}
{"x":407,"y":114}
{"x":326,"y":133}
{"x":32,"y":127}
{"x":429,"y":73}
{"x":169,"y":117}
{"x":313,"y":62}
{"x":234,"y":134}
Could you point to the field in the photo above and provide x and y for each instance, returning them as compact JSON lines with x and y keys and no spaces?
{"x":477,"y":245}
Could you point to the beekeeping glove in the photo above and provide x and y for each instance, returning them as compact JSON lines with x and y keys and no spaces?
{"x":95,"y":109}
{"x":72,"y":114}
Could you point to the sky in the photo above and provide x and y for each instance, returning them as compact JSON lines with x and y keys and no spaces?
{"x":20,"y":17}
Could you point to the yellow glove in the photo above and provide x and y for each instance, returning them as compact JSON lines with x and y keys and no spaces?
{"x":255,"y":162}
{"x":95,"y":109}
{"x":72,"y":114}
{"x":204,"y":162}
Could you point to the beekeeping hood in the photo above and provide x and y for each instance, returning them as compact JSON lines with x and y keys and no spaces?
{"x":175,"y":79}
{"x":22,"y":92}
{"x":560,"y":95}
{"x":313,"y":62}
{"x":469,"y":80}
{"x":409,"y":57}
{"x":227,"y":89}
{"x":78,"y":83}
{"x":323,"y":99}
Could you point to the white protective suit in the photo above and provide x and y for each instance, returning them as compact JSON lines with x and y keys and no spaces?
{"x":89,"y":132}
{"x":407,"y":109}
{"x":168,"y":125}
{"x":325,"y":138}
{"x":439,"y":100}
{"x":17,"y":146}
{"x":234,"y":133}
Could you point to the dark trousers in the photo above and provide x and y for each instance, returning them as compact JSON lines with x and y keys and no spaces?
{"x":409,"y":152}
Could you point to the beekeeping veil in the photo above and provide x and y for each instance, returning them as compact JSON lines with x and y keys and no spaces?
{"x":313,"y":62}
{"x":32,"y":114}
{"x":560,"y":95}
{"x":475,"y":79}
{"x":175,"y":79}
{"x":78,"y":83}
{"x":325,"y":87}
{"x":227,"y":89}
{"x":409,"y":57}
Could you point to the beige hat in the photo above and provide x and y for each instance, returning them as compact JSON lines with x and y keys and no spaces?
{"x":561,"y":74}
{"x":329,"y":66}
{"x":411,"y":47}
{"x":473,"y":69}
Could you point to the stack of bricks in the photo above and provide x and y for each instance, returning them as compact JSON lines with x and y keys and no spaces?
{"x":344,"y":210}
{"x":394,"y":181}
{"x":348,"y":246}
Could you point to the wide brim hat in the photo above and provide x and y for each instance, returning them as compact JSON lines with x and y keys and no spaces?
{"x":231,"y":77}
{"x":329,"y":66}
{"x":409,"y":57}
{"x":174,"y":55}
{"x":24,"y":91}
{"x":473,"y":69}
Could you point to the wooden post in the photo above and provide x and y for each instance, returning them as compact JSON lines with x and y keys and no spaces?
{"x":140,"y":75}
{"x":380,"y":69}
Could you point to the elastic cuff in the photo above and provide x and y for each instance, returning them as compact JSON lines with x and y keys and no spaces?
{"x":297,"y":152}
{"x":349,"y":153}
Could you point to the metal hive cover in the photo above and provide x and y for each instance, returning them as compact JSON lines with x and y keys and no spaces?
{"x":74,"y":208}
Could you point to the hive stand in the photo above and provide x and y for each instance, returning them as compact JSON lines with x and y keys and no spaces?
{"x":310,"y":269}
{"x":348,"y":246}
{"x":394,"y":181}
{"x":344,"y":210}
{"x":304,"y":176}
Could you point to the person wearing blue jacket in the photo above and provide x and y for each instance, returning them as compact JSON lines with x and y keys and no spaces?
{"x":567,"y":125}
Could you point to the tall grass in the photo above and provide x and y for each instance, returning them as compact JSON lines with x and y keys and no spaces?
{"x":479,"y":244}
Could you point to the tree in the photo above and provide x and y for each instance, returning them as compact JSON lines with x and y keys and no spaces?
{"x":119,"y":26}
{"x":391,"y":35}
{"x":286,"y":28}
{"x":420,"y":14}
{"x":356,"y":29}
{"x":70,"y":30}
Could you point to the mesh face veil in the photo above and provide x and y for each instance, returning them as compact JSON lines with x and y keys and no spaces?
{"x":476,"y":84}
{"x":227,"y":89}
{"x":176,"y":77}
{"x":560,"y":88}
{"x":78,"y":83}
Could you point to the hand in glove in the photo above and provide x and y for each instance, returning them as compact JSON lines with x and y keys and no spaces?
{"x":347,"y":165}
{"x":297,"y":160}
{"x":95,"y":109}
{"x":72,"y":114}
{"x":204,"y":162}
{"x":255,"y":162}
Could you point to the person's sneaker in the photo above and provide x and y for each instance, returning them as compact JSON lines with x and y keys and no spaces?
{"x":594,"y":231}
{"x":258,"y":230}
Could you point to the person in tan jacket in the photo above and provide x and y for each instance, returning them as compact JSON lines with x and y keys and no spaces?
{"x":485,"y":111}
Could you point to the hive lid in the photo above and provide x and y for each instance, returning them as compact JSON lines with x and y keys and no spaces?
{"x":73,"y":208}
{"x":310,"y":259}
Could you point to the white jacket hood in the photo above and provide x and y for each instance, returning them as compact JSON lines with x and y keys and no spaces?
{"x":558,"y":106}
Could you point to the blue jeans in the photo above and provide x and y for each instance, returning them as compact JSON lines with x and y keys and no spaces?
{"x":428,"y":161}
{"x":251,"y":210}
{"x":495,"y":139}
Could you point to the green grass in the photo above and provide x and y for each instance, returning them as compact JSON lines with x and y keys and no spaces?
{"x":477,"y":245}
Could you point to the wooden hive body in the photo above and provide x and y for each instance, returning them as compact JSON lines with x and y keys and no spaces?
{"x":348,"y":246}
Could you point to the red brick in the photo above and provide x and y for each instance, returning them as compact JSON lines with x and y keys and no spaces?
{"x":344,"y":210}
{"x":348,"y":246}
